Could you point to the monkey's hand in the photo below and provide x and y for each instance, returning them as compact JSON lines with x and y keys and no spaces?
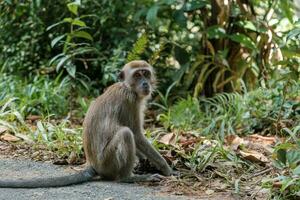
{"x":155,"y":178}
{"x":167,"y":171}
{"x":143,"y":178}
{"x":175,"y":173}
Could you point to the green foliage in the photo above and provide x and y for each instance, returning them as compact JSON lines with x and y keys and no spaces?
{"x":27,"y":49}
{"x":185,"y":114}
{"x":73,"y":47}
{"x":212,"y":153}
{"x":42,"y":96}
{"x":11,"y":117}
{"x":60,"y":137}
{"x":214,"y":54}
{"x":138,"y":48}
{"x":257,"y":111}
{"x":192,"y":42}
{"x":287,"y":160}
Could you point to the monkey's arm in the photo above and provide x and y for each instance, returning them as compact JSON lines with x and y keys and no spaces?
{"x":154,"y":156}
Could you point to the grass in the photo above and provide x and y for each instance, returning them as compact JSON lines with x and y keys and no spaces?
{"x":40,"y":96}
{"x":266,"y":111}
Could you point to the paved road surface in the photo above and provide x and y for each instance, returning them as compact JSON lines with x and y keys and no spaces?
{"x":15,"y":168}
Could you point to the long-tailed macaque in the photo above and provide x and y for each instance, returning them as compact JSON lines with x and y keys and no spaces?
{"x":113,"y":133}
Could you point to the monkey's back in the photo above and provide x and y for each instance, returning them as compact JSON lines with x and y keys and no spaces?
{"x":115,"y":108}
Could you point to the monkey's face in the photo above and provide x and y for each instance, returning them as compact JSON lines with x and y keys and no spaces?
{"x":139,"y":76}
{"x":140,"y":82}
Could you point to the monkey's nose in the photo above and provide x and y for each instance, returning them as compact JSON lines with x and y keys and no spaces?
{"x":145,"y":86}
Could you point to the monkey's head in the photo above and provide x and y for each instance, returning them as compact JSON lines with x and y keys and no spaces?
{"x":139,"y":76}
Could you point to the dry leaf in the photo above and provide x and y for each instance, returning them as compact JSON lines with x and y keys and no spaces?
{"x":33,"y":117}
{"x":72,"y":158}
{"x":168,"y":139}
{"x":25,"y":138}
{"x":255,"y":138}
{"x":235,"y":141}
{"x":3,"y":129}
{"x":209,"y":192}
{"x":9,"y":138}
{"x":254,"y":156}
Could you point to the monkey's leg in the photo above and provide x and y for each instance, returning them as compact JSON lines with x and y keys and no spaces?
{"x":119,"y":156}
{"x":140,"y":155}
{"x":154,"y":156}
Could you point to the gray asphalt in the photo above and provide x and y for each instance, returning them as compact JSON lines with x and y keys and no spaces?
{"x":21,"y":168}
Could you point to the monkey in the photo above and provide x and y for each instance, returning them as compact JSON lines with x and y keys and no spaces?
{"x":113,"y":134}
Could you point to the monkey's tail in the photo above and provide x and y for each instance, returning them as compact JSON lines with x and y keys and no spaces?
{"x":80,"y":177}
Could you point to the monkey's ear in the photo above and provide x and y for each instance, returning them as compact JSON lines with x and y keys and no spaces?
{"x":121,"y":76}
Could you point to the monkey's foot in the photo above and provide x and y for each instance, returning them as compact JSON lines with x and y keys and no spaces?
{"x":143,"y":178}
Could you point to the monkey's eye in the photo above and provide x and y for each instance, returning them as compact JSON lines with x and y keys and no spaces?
{"x":137,"y":75}
{"x":146,"y":73}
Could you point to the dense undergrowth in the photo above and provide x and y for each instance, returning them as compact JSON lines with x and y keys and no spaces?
{"x":224,"y":67}
{"x":208,"y":121}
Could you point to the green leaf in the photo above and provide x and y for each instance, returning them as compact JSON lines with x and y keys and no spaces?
{"x":286,"y":183}
{"x":247,"y":25}
{"x":281,"y":156}
{"x":56,"y":40}
{"x":294,"y":33}
{"x":195,"y":5}
{"x":67,"y":42}
{"x":278,"y":164}
{"x":71,"y":69}
{"x":54,"y":25}
{"x":82,"y":34}
{"x":42,"y":130}
{"x":152,"y":14}
{"x":83,"y":50}
{"x":243,"y":40}
{"x":180,"y":18}
{"x":73,"y":7}
{"x":56,"y":58}
{"x":61,"y":62}
{"x":287,"y":9}
{"x":296,"y":171}
{"x":181,"y":55}
{"x":168,"y":2}
{"x":293,"y":157}
{"x":8,"y":1}
{"x":78,"y":22}
{"x":215,"y":32}
{"x":68,"y":19}
{"x":285,"y":146}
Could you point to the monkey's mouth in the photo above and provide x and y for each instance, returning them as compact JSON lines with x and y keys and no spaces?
{"x":146,"y":92}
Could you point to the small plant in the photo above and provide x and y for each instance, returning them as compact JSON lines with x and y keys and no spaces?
{"x":40,"y":96}
{"x":73,"y":46}
{"x":60,"y":137}
{"x":261,"y":110}
{"x":11,"y":118}
{"x":287,"y":160}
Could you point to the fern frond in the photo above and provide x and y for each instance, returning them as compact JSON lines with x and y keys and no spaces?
{"x":224,"y":99}
{"x":156,"y":54}
{"x":138,"y":48}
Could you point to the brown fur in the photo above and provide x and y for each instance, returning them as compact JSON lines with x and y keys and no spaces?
{"x":113,"y":129}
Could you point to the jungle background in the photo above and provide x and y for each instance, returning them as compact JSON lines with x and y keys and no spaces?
{"x":226,"y":113}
